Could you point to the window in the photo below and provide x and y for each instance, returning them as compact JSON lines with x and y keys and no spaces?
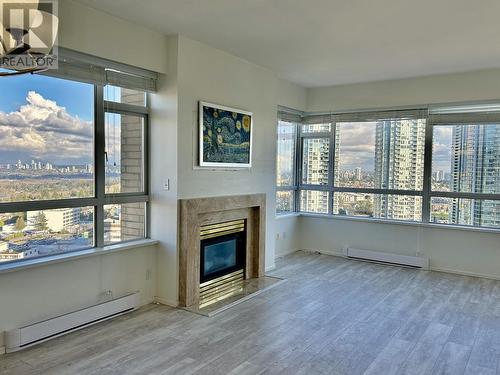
{"x":440,"y":165}
{"x":124,"y":153}
{"x":72,"y":175}
{"x":466,"y":169}
{"x":315,"y":161}
{"x":285,"y":160}
{"x":314,"y":201}
{"x":46,"y":139}
{"x":374,"y":169}
{"x":286,"y":165}
{"x":124,"y":222}
{"x":376,"y":156}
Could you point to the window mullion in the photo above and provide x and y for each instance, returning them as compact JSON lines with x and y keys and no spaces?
{"x":100,"y":162}
{"x":296,"y":160}
{"x":298,"y":167}
{"x":426,"y":200}
{"x":331,"y":169}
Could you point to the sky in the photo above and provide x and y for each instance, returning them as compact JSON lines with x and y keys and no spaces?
{"x":46,"y":119}
{"x":357,"y":146}
{"x":441,"y":152}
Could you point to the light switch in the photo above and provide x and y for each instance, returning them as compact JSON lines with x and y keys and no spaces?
{"x":166,"y":184}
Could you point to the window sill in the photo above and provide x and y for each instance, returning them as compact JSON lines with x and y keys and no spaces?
{"x":288,"y":215}
{"x":74,"y":255}
{"x":398,"y":222}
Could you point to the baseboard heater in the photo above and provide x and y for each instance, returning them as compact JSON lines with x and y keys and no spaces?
{"x":35,"y":333}
{"x":381,"y":257}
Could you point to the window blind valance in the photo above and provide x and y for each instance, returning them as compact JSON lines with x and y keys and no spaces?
{"x":381,"y":115}
{"x":289,"y":115}
{"x":365,"y":116}
{"x":318,"y":119}
{"x":90,"y":69}
{"x":471,"y":114}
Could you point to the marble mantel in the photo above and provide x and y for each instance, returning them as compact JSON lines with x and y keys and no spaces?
{"x":196,"y":212}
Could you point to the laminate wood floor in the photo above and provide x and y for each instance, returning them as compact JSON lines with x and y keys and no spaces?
{"x":332,"y":316}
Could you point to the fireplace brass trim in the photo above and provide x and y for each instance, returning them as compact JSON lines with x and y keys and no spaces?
{"x":220,"y":229}
{"x":221,"y":287}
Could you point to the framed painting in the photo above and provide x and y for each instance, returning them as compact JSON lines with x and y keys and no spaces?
{"x":225,"y":136}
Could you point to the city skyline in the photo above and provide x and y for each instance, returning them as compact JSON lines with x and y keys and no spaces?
{"x":476,"y":168}
{"x":40,"y":128}
{"x":52,"y":120}
{"x":397,"y":163}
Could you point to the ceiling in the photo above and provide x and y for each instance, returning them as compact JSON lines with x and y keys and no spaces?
{"x":328,"y":42}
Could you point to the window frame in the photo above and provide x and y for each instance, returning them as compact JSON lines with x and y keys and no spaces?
{"x":313,"y":187}
{"x":331,"y":187}
{"x":293,"y":188}
{"x":449,"y":119}
{"x":426,"y":194}
{"x":100,"y":198}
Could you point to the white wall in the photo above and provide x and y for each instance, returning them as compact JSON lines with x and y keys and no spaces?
{"x":287,"y":235}
{"x":468,"y":252}
{"x":292,"y":96}
{"x":164,"y":159}
{"x":85,"y":29}
{"x":446,"y":88}
{"x":46,"y":291}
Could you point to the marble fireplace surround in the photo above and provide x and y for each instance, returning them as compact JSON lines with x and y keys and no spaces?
{"x":196,"y":212}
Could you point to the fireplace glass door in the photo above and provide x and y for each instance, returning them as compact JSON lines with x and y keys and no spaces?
{"x":222,"y":255}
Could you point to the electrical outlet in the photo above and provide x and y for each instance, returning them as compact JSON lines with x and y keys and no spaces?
{"x":148,"y":274}
{"x":107,"y":294}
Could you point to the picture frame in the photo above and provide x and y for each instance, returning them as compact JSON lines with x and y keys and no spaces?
{"x":225,"y":136}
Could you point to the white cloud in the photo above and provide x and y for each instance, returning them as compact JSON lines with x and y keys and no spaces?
{"x":44,"y":130}
{"x":357,"y":145}
{"x":441,"y":148}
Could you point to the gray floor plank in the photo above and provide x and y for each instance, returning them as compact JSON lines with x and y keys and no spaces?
{"x":452,"y":360}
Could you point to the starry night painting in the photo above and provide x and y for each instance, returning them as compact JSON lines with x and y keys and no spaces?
{"x":225,"y":136}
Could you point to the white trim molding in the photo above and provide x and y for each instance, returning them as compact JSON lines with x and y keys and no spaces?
{"x":74,"y":255}
{"x":166,"y":302}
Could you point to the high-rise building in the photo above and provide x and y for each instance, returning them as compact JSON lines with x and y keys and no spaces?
{"x":315,"y":171}
{"x":475,"y":167}
{"x":56,"y":220}
{"x":399,"y":146}
{"x":337,"y":173}
{"x":439,"y":175}
{"x":357,"y":173}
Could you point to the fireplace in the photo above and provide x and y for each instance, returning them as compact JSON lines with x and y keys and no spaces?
{"x":222,"y":259}
{"x":240,"y":217}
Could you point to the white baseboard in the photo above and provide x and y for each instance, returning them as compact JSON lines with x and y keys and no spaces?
{"x":464,"y":273}
{"x":146,"y":301}
{"x":270,"y":268}
{"x":431,"y":268}
{"x":166,"y":302}
{"x":335,"y":253}
{"x":284,"y":253}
